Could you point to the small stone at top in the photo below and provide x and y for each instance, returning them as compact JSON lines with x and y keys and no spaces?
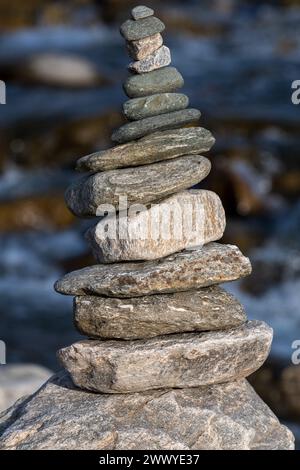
{"x":140,"y":12}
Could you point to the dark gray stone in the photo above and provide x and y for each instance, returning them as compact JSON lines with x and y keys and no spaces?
{"x":141,"y":12}
{"x":191,"y":269}
{"x":206,"y":309}
{"x":153,"y":105}
{"x":143,"y":184}
{"x":217,"y":417}
{"x":172,"y":361}
{"x":153,"y":148}
{"x":136,"y":129}
{"x":133,"y":30}
{"x":163,"y":80}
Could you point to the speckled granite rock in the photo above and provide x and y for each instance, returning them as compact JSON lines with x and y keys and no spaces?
{"x":191,"y":269}
{"x":185,"y":220}
{"x":136,"y":129}
{"x":153,"y":148}
{"x":159,"y":58}
{"x":228,"y":416}
{"x":141,"y":48}
{"x":210,"y":308}
{"x":133,"y":30}
{"x":143,"y":184}
{"x":172,"y":361}
{"x":141,"y":11}
{"x":163,"y":80}
{"x":153,"y":105}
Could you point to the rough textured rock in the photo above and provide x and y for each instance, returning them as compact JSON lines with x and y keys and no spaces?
{"x":133,"y":30}
{"x":185,"y":220}
{"x":140,"y":49}
{"x":17,"y":380}
{"x":191,"y":269}
{"x":153,"y":148}
{"x":210,"y":308}
{"x":159,"y":58}
{"x":161,"y":103}
{"x":143,"y":184}
{"x":227,"y":416}
{"x":162,"y":80}
{"x":172,"y":361}
{"x":141,"y":11}
{"x":136,"y":129}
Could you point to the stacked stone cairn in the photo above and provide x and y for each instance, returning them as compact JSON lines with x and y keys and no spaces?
{"x":160,"y":328}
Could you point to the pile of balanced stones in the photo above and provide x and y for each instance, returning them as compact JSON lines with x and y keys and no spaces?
{"x":167,"y":348}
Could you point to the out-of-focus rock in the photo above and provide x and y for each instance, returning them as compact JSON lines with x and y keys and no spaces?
{"x":18,"y":380}
{"x":62,"y":70}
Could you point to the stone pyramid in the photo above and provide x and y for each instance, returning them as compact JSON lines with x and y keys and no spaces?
{"x":168,"y":349}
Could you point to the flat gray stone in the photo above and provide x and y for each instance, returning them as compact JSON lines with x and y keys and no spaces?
{"x":153,"y":105}
{"x":136,"y":129}
{"x":142,"y":48}
{"x":133,"y":30}
{"x":172,"y":361}
{"x":143,"y":184}
{"x":227,"y":416}
{"x":191,"y":269}
{"x":159,"y":58}
{"x":162,"y":80}
{"x":153,"y":148}
{"x":185,"y":220}
{"x":141,"y":11}
{"x":206,"y":309}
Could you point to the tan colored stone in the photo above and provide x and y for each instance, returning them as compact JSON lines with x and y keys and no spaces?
{"x":184,"y":220}
{"x":142,"y":48}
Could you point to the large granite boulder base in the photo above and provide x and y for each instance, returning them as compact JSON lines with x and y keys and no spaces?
{"x":218,"y":417}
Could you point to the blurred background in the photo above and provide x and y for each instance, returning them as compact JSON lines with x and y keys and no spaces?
{"x":63,"y":63}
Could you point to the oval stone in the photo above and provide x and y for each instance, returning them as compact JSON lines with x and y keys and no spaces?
{"x":163,"y":80}
{"x":153,"y":105}
{"x":137,"y":129}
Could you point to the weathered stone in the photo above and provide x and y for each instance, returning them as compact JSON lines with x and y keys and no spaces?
{"x":162,"y":80}
{"x":141,"y":12}
{"x":161,"y":103}
{"x":143,"y":184}
{"x":133,"y":30}
{"x":185,"y":220}
{"x":136,"y":129}
{"x":160,"y":58}
{"x":227,"y":416}
{"x":17,"y":380}
{"x":191,"y":269}
{"x":172,"y":361}
{"x":150,"y":149}
{"x":140,"y":49}
{"x":207,"y":309}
